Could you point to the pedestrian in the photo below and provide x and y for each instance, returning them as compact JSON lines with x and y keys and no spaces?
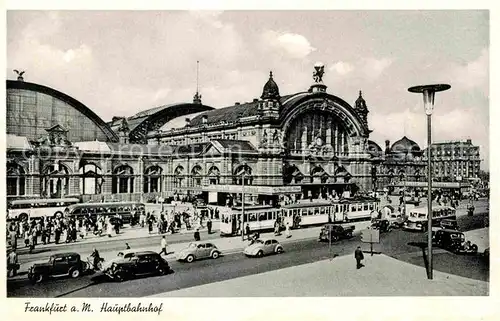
{"x":109,"y":227}
{"x":31,"y":241}
{"x":197,"y":235}
{"x":127,"y":246}
{"x":13,"y":240}
{"x":57,"y":234}
{"x":12,"y":263}
{"x":96,"y":259}
{"x":209,"y":225}
{"x":163,"y":245}
{"x":247,"y":231}
{"x":358,"y":255}
{"x":288,"y":232}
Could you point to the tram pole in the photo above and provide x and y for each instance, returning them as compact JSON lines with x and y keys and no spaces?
{"x":243,"y":206}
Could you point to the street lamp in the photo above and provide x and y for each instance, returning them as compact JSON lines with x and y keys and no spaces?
{"x":429,"y":92}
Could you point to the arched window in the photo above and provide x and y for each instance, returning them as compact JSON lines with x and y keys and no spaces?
{"x":196,"y":175}
{"x":90,"y":179}
{"x":16,"y":181}
{"x":123,"y":180}
{"x":213,"y":175}
{"x":243,"y":171}
{"x":178,"y":176}
{"x":55,"y":181}
{"x":319,"y":175}
{"x":152,"y":179}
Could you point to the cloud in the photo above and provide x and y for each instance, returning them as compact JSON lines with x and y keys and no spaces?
{"x":474,"y":74}
{"x":342,"y":68}
{"x":373,"y":67}
{"x":295,"y":45}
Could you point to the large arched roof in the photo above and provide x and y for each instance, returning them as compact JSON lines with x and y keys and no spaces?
{"x":153,"y":119}
{"x":22,"y":85}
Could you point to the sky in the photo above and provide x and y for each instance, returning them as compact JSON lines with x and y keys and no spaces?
{"x":121,"y":62}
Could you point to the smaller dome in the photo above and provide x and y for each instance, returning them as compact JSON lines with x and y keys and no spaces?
{"x":405,"y":145}
{"x":373,"y":148}
{"x":271,"y":90}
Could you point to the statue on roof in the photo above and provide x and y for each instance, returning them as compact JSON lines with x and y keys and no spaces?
{"x":319,"y":71}
{"x":19,"y":74}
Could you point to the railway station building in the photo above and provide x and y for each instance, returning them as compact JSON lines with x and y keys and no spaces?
{"x":310,"y":144}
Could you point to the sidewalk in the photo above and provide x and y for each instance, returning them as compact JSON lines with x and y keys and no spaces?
{"x":127,"y":233}
{"x":227,"y":245}
{"x":381,"y":276}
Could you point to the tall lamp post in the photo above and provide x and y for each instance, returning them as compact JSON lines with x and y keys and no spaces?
{"x":429,"y":92}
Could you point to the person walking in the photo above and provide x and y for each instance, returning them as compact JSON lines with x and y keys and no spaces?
{"x":209,"y":225}
{"x":163,"y":245}
{"x":247,"y":231}
{"x":12,"y":263}
{"x":197,"y":235}
{"x":358,"y":255}
{"x":288,"y":232}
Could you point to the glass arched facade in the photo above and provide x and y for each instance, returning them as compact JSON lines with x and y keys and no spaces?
{"x":30,"y":113}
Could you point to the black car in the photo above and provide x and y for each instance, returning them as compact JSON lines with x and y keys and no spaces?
{"x":449,"y":224}
{"x":138,"y":264}
{"x":382,"y":225}
{"x":62,"y":264}
{"x":335,"y":232}
{"x":453,"y":241}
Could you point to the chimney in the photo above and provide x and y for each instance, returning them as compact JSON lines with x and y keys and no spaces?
{"x":188,"y":122}
{"x":387,"y":148}
{"x":204,"y":119}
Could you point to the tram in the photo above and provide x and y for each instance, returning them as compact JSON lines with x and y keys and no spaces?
{"x":261,"y":218}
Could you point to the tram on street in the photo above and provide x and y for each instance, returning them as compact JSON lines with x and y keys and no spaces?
{"x":417,"y":217}
{"x":37,"y":208}
{"x":126,"y":210}
{"x":260,"y":218}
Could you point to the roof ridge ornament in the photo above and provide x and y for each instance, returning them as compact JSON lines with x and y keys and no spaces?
{"x":318,"y":85}
{"x":19,"y":74}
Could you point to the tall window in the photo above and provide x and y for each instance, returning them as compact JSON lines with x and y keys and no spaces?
{"x":196,"y":175}
{"x":90,"y":179}
{"x":123,"y":180}
{"x":178,"y":176}
{"x":15,"y":180}
{"x":152,"y":179}
{"x":213,"y":175}
{"x":55,"y":181}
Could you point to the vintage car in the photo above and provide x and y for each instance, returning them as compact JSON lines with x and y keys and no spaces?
{"x":335,"y":232}
{"x":196,"y":251}
{"x":449,"y":224}
{"x":137,"y":264}
{"x":261,"y":247}
{"x":61,"y":264}
{"x":453,"y":241}
{"x":381,"y":225}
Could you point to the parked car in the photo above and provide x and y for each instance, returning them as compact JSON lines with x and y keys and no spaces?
{"x":396,"y":220}
{"x":453,"y":241}
{"x":335,"y":232}
{"x":61,"y":264}
{"x":449,"y":224}
{"x":263,"y":247}
{"x":381,"y":225}
{"x":138,"y":264}
{"x":196,"y":251}
{"x":486,"y":254}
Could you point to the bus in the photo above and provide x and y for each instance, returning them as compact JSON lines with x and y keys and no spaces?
{"x":417,"y":217}
{"x":260,"y":218}
{"x":37,"y":208}
{"x":126,"y":210}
